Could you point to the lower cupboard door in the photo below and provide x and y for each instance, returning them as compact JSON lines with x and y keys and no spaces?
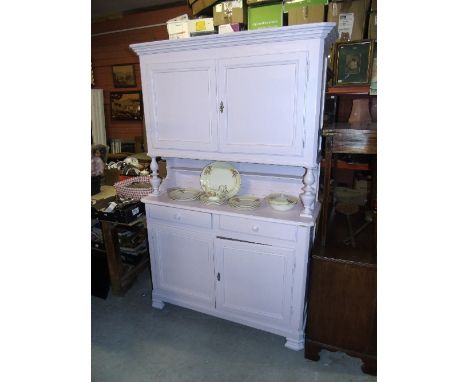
{"x":254,"y":281}
{"x":184,"y":265}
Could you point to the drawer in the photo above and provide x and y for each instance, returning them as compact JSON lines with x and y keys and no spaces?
{"x":258,"y":227}
{"x":179,"y":215}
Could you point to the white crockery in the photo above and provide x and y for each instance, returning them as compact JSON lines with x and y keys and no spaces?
{"x":282,"y":202}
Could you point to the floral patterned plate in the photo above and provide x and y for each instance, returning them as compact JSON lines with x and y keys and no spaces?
{"x":184,"y":194}
{"x":221,"y":179}
{"x":245,"y":202}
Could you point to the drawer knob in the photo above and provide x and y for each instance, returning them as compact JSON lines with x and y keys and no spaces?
{"x":177,"y":216}
{"x":255,"y":228}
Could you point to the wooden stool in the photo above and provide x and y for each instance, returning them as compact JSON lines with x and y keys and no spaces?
{"x":348,"y":209}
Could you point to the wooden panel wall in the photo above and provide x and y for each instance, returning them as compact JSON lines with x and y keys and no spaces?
{"x":111,"y":49}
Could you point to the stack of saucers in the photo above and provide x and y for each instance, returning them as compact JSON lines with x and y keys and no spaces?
{"x":245,"y":202}
{"x":211,"y":198}
{"x":184,"y":194}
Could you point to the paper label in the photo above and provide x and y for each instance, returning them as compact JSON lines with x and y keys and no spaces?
{"x":225,"y":28}
{"x":236,"y":4}
{"x":345,"y":24}
{"x":200,"y":26}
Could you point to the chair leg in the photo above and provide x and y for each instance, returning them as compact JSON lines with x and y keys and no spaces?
{"x":358,"y":231}
{"x":351,"y":233}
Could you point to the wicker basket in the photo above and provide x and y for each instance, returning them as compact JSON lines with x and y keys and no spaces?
{"x":123,"y":190}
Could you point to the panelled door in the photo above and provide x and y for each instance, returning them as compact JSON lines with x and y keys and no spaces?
{"x":184,"y":264}
{"x":254,"y":280}
{"x":261,"y":104}
{"x":181,"y":105}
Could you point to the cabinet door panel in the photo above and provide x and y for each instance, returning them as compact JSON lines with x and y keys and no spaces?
{"x":183,"y":105}
{"x":254,"y":280}
{"x":184,"y":264}
{"x":263,"y":99}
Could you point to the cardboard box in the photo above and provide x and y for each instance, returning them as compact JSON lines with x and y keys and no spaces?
{"x":178,"y":27}
{"x":350,"y":18}
{"x":229,"y":12}
{"x":230,"y":28}
{"x":266,"y":16}
{"x":306,"y":15}
{"x":201,"y":25}
{"x":200,"y":5}
{"x":372,"y":29}
{"x":250,"y":2}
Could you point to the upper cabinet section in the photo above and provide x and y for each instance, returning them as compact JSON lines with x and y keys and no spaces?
{"x":254,"y":96}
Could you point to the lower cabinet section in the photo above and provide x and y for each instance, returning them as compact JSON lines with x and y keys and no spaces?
{"x":259,"y":284}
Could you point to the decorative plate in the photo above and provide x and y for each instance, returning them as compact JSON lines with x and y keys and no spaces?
{"x":282,"y":202}
{"x":184,"y":194}
{"x":220,"y":178}
{"x":245,"y":202}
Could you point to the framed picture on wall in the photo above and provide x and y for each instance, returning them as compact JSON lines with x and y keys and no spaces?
{"x":124,"y":76}
{"x":353,"y":63}
{"x":126,"y":106}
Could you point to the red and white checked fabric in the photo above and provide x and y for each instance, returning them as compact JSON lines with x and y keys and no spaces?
{"x":134,"y":193}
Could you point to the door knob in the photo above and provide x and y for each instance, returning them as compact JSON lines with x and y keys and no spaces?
{"x":221,"y":107}
{"x":218,"y":276}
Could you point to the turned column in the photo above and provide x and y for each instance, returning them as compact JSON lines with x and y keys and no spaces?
{"x":308,"y":197}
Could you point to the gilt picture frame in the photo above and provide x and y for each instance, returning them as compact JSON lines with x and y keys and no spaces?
{"x":126,"y":106}
{"x":353,"y":63}
{"x":124,"y":76}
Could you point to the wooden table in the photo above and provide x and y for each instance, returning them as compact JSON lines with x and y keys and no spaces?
{"x":121,"y":275}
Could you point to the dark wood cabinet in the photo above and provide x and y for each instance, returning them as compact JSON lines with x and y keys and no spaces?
{"x":342,"y":300}
{"x":342,"y":310}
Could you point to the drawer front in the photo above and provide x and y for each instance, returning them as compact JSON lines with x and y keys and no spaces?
{"x":258,"y":227}
{"x":178,"y":215}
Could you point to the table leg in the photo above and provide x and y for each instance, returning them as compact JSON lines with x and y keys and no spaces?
{"x":111,"y":241}
{"x":326,"y":190}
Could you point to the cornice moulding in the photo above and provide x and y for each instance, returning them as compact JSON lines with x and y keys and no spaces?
{"x":325,"y":31}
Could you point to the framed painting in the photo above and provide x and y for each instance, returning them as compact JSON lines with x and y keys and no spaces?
{"x":126,"y":106}
{"x":124,"y":76}
{"x":353,"y":63}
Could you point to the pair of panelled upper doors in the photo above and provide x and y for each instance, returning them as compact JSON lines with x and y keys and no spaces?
{"x":251,"y":104}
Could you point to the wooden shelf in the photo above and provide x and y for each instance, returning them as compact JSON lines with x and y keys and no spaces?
{"x":348,"y":166}
{"x":348,"y":90}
